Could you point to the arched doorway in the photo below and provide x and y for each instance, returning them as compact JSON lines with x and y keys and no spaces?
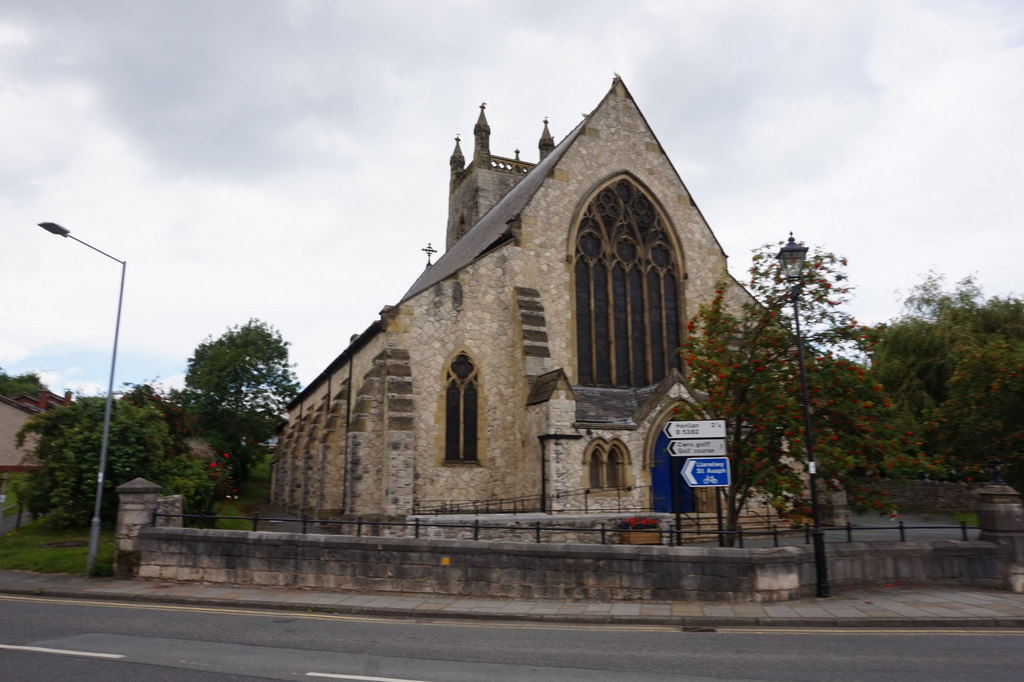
{"x":664,"y":469}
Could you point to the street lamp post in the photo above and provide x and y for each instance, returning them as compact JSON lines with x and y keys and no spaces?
{"x":791,"y":258}
{"x":94,"y":531}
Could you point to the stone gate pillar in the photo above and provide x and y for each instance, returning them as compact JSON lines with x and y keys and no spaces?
{"x":137,"y":500}
{"x":1001,"y":519}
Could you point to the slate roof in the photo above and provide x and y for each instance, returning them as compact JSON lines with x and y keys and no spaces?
{"x":622,"y":406}
{"x":545,"y":386}
{"x":606,"y":405}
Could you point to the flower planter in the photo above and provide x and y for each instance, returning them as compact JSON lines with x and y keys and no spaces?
{"x":639,"y":537}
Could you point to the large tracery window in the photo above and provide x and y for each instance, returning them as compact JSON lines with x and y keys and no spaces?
{"x":627,"y":290}
{"x":460,"y":437}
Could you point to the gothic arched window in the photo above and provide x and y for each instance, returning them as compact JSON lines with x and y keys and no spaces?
{"x":460,"y":406}
{"x":627,"y":290}
{"x":606,"y":465}
{"x":595,"y":470}
{"x":613,"y":468}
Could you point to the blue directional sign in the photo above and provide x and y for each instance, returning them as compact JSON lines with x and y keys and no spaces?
{"x":707,"y":472}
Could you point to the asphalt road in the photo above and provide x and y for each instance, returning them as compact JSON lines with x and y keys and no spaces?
{"x":63,"y":639}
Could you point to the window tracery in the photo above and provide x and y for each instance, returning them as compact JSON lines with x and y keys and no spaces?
{"x":461,"y":393}
{"x":627,"y":290}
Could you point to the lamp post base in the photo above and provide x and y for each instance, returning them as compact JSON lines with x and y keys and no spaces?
{"x":820,"y":563}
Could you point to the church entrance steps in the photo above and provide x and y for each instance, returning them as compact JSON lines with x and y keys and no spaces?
{"x":703,"y":527}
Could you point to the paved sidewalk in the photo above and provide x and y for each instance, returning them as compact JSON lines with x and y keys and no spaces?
{"x":892,"y":606}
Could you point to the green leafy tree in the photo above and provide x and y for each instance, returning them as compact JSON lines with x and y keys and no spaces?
{"x":27,"y":382}
{"x":743,"y":368}
{"x":68,"y":449}
{"x":237,"y":387}
{"x":982,"y":416}
{"x":951,"y":362}
{"x":179,"y":426}
{"x":200,"y":491}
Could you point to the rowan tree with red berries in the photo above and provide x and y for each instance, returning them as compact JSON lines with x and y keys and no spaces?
{"x":742,"y":366}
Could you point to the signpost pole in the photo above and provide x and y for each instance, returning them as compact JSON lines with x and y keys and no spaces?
{"x":698,"y":444}
{"x":718,"y":511}
{"x":675,"y":501}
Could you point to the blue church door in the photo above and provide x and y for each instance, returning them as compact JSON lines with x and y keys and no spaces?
{"x":665,"y":469}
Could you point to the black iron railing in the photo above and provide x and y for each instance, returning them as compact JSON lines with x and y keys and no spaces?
{"x":536,"y":530}
{"x":585,"y":500}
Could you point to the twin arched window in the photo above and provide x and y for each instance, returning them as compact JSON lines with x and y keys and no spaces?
{"x":606,"y":466}
{"x":627,"y":290}
{"x":461,"y":392}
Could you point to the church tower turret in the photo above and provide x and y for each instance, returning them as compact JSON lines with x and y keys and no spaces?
{"x":482,"y":133}
{"x":457,"y":162}
{"x":547,"y":143}
{"x":476,"y":188}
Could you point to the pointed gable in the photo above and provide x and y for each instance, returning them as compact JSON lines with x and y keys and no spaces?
{"x":493,"y":228}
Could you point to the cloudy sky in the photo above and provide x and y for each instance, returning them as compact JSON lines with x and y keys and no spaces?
{"x":288,"y":160}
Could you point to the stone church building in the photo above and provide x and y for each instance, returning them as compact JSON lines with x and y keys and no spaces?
{"x":535,"y":363}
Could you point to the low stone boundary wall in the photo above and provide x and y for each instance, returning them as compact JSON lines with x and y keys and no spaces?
{"x":949,"y":497}
{"x":559,"y":570}
{"x":543,"y":571}
{"x":873,"y":563}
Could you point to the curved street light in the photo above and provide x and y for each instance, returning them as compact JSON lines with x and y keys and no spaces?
{"x":94,"y":531}
{"x":792,"y":257}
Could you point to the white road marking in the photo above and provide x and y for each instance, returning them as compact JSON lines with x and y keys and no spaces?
{"x":62,"y":652}
{"x":363,"y":678}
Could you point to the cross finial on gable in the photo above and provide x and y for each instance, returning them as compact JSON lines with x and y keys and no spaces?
{"x":430,"y":251}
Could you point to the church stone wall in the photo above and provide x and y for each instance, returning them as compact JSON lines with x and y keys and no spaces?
{"x":309,"y":466}
{"x":615,"y":140}
{"x":512,"y":311}
{"x":475,"y":313}
{"x":380,"y":441}
{"x":332,"y":475}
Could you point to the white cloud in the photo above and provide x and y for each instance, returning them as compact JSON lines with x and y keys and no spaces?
{"x":288,"y":160}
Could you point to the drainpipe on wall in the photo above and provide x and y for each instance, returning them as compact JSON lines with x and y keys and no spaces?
{"x":544,"y":438}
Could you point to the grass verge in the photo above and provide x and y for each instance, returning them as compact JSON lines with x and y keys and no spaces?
{"x":34,"y":547}
{"x":970,"y":518}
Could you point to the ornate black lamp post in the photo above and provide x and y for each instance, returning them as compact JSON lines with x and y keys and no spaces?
{"x":94,"y":532}
{"x":791,"y":258}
